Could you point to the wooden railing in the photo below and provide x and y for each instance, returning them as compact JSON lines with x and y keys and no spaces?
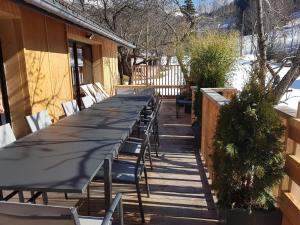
{"x":167,"y":80}
{"x":288,"y":192}
{"x":169,"y":91}
{"x":289,"y":189}
{"x":213,"y":99}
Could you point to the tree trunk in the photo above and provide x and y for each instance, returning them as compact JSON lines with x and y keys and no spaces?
{"x":242,"y":33}
{"x":183,"y":68}
{"x":168,"y":60}
{"x":124,"y":63}
{"x":261,"y":43}
{"x":288,"y":79}
{"x":120,"y":67}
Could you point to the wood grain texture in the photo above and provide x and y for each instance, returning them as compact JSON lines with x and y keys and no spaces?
{"x":290,"y":208}
{"x":15,"y":73}
{"x":47,"y":63}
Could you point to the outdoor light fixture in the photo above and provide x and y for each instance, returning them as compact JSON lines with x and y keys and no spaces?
{"x":90,"y":36}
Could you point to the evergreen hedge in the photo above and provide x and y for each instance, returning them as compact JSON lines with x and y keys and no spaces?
{"x":248,"y":152}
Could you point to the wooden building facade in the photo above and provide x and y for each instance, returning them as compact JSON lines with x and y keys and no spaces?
{"x":36,"y":43}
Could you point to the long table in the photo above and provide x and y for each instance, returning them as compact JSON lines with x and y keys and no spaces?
{"x":67,"y":155}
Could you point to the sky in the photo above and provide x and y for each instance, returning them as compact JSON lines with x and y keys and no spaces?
{"x":207,"y":5}
{"x":198,"y":2}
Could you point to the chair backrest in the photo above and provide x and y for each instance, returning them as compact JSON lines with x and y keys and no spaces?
{"x":145,"y":143}
{"x":92,"y":89}
{"x":87,"y":92}
{"x":87,"y":102}
{"x":34,"y":214}
{"x":6,"y":135}
{"x":29,"y":214}
{"x":100,"y":96}
{"x":70,"y":107}
{"x":121,"y":90}
{"x":38,"y":121}
{"x":100,"y":88}
{"x":157,"y":108}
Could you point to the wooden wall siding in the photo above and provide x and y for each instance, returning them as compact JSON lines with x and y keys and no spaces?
{"x":9,"y":9}
{"x":288,"y":192}
{"x":290,"y":187}
{"x":110,"y":64}
{"x":15,"y":73}
{"x":47,"y":63}
{"x":97,"y":63}
{"x":37,"y":62}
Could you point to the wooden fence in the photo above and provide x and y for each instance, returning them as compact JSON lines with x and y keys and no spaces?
{"x":167,"y":80}
{"x":288,"y":192}
{"x":213,"y":99}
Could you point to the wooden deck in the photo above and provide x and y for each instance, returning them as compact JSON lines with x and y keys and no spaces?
{"x":180,"y":193}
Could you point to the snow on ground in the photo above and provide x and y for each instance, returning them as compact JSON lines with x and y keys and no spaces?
{"x":240,"y":75}
{"x":286,"y":39}
{"x":168,"y":76}
{"x":240,"y":72}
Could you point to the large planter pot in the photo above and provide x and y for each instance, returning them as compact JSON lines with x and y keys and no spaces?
{"x":179,"y":98}
{"x":259,"y":217}
{"x":188,"y":106}
{"x":197,"y":133}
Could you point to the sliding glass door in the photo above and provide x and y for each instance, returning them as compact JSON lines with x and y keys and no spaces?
{"x":4,"y":104}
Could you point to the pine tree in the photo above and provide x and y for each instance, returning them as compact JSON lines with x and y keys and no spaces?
{"x":189,"y":7}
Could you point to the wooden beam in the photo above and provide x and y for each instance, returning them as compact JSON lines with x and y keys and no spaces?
{"x":147,"y":86}
{"x":293,"y":129}
{"x":292,"y":167}
{"x":290,"y":208}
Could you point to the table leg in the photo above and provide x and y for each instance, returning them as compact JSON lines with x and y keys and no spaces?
{"x":45,"y":198}
{"x":21,"y":196}
{"x":107,"y":183}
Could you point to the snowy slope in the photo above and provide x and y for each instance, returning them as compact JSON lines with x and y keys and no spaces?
{"x":287,"y":39}
{"x":240,"y":75}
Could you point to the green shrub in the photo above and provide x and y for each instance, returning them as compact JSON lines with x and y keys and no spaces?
{"x":212,"y":55}
{"x":248,"y":158}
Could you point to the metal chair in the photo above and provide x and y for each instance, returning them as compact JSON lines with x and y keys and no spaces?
{"x":124,"y":90}
{"x":87,"y":102}
{"x":28,"y":214}
{"x":70,"y":107}
{"x":99,"y":96}
{"x":6,"y":137}
{"x":131,"y":172}
{"x":84,"y":88}
{"x":132,"y":145}
{"x":145,"y":118}
{"x":38,"y":121}
{"x":100,"y":88}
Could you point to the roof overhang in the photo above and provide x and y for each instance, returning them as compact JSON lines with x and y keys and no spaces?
{"x":62,"y":11}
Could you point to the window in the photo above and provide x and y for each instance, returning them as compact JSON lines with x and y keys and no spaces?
{"x":4,"y":104}
{"x":84,"y":62}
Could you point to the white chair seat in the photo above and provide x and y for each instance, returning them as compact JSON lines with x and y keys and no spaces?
{"x":89,"y":220}
{"x":70,"y":107}
{"x":87,"y":102}
{"x":38,"y":121}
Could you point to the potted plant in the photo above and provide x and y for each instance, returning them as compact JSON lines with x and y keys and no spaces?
{"x":248,"y":158}
{"x":212,"y":56}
